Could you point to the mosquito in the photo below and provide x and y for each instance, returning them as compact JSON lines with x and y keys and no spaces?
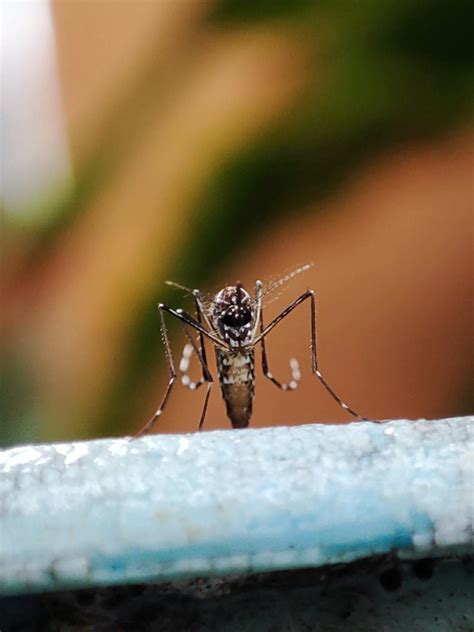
{"x":233,"y":322}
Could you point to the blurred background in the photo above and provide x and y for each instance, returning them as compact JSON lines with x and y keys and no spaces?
{"x":206,"y":141}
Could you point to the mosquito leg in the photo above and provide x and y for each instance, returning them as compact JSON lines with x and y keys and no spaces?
{"x":295,"y":369}
{"x":206,"y":374}
{"x":314,"y":358}
{"x":188,"y":349}
{"x":149,"y":425}
{"x":201,"y":312}
{"x":316,"y":370}
{"x":187,"y":319}
{"x":184,"y":366}
{"x":204,"y":409}
{"x":258,"y":306}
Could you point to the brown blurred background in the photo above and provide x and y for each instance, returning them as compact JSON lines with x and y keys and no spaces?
{"x":208,"y":141}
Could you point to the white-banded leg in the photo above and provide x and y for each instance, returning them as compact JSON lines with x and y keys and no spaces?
{"x":295,"y":368}
{"x":309,"y":294}
{"x":188,"y":349}
{"x":184,"y":366}
{"x":206,"y":374}
{"x":188,"y":320}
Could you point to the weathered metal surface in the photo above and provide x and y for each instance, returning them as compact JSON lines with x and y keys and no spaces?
{"x":173,"y":506}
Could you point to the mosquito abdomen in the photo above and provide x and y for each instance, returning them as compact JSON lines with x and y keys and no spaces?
{"x":236,"y":375}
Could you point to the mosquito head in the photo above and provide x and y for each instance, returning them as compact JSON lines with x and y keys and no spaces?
{"x":233,"y":315}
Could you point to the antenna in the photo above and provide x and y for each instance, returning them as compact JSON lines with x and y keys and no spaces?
{"x":179,"y":286}
{"x":276,"y":284}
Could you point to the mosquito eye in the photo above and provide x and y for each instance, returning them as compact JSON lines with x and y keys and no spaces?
{"x":230,"y":320}
{"x":237,"y":318}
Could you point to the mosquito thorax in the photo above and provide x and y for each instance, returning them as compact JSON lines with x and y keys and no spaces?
{"x":233,"y":315}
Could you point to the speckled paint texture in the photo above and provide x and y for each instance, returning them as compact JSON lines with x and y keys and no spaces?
{"x":174,"y":506}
